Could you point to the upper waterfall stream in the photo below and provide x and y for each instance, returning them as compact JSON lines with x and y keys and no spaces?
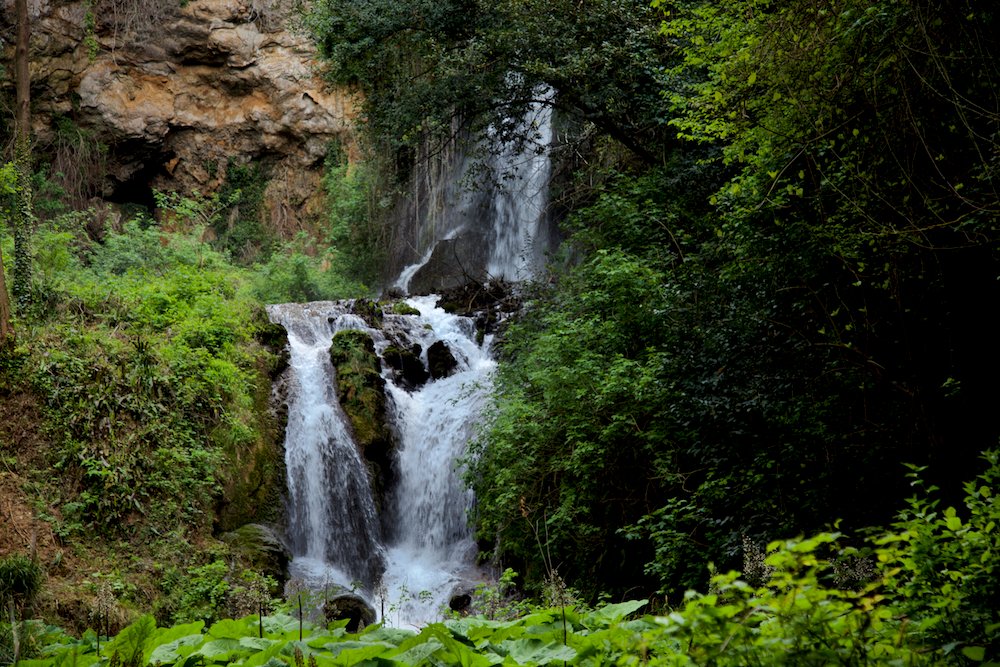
{"x":482,"y":220}
{"x":408,"y":563}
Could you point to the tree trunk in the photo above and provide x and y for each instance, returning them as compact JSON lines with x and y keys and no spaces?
{"x":22,"y":112}
{"x":22,"y":161}
{"x":6,"y":331}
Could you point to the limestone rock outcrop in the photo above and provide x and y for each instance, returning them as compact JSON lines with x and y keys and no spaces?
{"x":211,"y":81}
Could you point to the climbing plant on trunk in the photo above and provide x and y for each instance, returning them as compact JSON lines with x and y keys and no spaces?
{"x":21,"y":215}
{"x":8,"y":178}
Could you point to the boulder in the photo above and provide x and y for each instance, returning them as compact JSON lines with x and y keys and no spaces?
{"x":352,"y":607}
{"x":440,"y":360}
{"x":406,"y":361}
{"x":261,"y":549}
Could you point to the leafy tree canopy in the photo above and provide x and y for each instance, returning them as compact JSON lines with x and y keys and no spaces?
{"x":428,"y":65}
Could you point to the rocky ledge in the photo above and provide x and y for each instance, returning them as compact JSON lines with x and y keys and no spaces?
{"x":204,"y":82}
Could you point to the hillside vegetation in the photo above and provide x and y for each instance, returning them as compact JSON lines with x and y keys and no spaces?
{"x":136,"y":432}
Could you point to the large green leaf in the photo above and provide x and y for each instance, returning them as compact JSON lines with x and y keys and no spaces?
{"x":171,"y":651}
{"x":613,"y":613}
{"x":352,"y":656}
{"x":230,"y":629}
{"x":130,"y":644}
{"x":191,"y":632}
{"x":223,"y":650}
{"x":538,"y":651}
{"x":263,"y":657}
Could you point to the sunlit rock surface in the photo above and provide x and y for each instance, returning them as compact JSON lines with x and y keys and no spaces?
{"x":176,"y":94}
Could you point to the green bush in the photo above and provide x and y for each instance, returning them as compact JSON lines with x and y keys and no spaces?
{"x":20,"y":580}
{"x":147,"y":364}
{"x":293,"y":275}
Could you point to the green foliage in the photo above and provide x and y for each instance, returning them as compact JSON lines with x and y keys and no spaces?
{"x":146,"y":361}
{"x":20,"y":580}
{"x":649,"y":404}
{"x":576,"y":422}
{"x":70,"y":170}
{"x":353,"y":231}
{"x":241,"y":231}
{"x":945,"y":565}
{"x":199,"y":594}
{"x":482,"y":63}
{"x":142,"y":247}
{"x":8,"y":179}
{"x":754,"y":336}
{"x":296,"y":273}
{"x":798,"y":616}
{"x":22,"y":219}
{"x":194,"y":211}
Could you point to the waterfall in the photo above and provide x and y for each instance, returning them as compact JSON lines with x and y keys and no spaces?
{"x":431,"y":546}
{"x":499,"y":230}
{"x":333,"y":526}
{"x":426,"y":549}
{"x":408,"y":561}
{"x":521,"y":198}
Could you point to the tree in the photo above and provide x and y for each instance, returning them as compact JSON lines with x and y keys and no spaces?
{"x":818,"y":326}
{"x":474,"y":64}
{"x":22,"y":214}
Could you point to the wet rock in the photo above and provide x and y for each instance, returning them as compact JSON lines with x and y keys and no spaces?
{"x":408,"y":364}
{"x":460,"y":600}
{"x":352,"y":607}
{"x":441,"y":361}
{"x":488,"y":304}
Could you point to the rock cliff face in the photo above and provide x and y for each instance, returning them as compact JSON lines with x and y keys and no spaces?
{"x":200,"y":85}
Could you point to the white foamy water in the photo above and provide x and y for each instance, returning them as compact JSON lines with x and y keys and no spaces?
{"x":521,"y":198}
{"x":431,"y":546}
{"x":426,"y":549}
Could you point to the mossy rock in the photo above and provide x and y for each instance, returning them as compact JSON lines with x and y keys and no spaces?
{"x":369,"y":311}
{"x":274,"y":337}
{"x":403,"y":308}
{"x":251,"y":478}
{"x":260,"y":548}
{"x":361,"y":392}
{"x":360,"y":387}
{"x":350,"y":607}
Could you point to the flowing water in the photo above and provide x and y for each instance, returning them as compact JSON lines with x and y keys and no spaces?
{"x":506,"y":214}
{"x":333,"y":527}
{"x":408,"y":564}
{"x":521,"y":199}
{"x":408,"y":561}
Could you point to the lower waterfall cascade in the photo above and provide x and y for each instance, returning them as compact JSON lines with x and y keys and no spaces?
{"x":407,"y":562}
